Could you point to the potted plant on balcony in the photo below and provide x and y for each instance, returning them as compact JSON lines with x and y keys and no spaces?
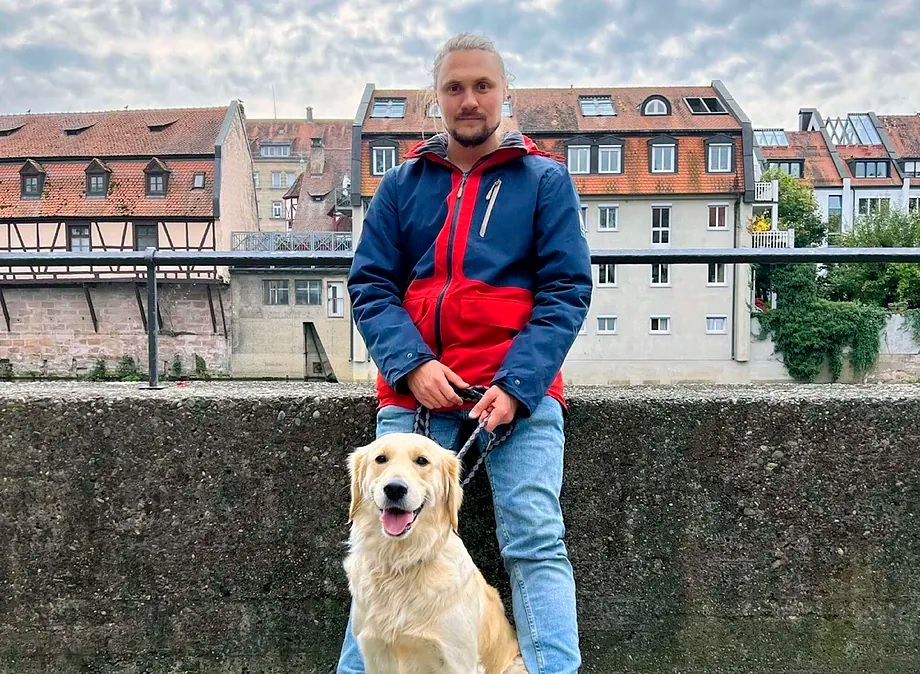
{"x":758,"y":223}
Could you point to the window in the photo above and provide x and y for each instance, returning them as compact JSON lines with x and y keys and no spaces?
{"x":705,"y":105}
{"x":716,"y":325}
{"x":198,"y":181}
{"x":32,"y":186}
{"x":912,"y":169}
{"x":606,"y":325}
{"x":655,"y":106}
{"x":913,"y":204}
{"x":718,"y":216}
{"x":606,"y":275}
{"x":275,"y":293}
{"x":870,"y":205}
{"x":434,"y":110}
{"x":156,"y":184}
{"x":277,"y":209}
{"x":276,"y":179}
{"x":78,"y":240}
{"x":583,"y":330}
{"x":790,"y":168}
{"x":834,"y":213}
{"x":663,"y":158}
{"x":291,"y":178}
{"x":871,"y":169}
{"x":596,"y":106}
{"x":506,"y":109}
{"x":308,"y":292}
{"x":660,"y":325}
{"x":145,"y":236}
{"x":607,"y":218}
{"x":384,"y":158}
{"x":661,"y":274}
{"x":716,"y":275}
{"x":771,"y":137}
{"x":579,"y":159}
{"x":610,"y":159}
{"x":389,"y":107}
{"x":335,"y":296}
{"x":270,"y":150}
{"x":661,"y":225}
{"x":255,"y":179}
{"x":720,"y":158}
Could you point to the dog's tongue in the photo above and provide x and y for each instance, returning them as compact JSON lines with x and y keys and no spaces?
{"x":396,"y":521}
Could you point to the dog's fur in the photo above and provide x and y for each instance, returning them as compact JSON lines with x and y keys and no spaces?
{"x":420,"y":603}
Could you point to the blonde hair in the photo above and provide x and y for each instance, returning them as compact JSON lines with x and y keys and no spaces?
{"x":466,"y":42}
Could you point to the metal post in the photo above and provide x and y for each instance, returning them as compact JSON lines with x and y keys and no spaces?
{"x":153,"y":325}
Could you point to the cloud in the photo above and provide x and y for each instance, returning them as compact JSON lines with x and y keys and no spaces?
{"x":841,"y":56}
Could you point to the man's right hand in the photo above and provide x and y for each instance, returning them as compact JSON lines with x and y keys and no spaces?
{"x":430,"y":383}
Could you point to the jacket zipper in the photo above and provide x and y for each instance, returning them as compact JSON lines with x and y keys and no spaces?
{"x":450,"y":253}
{"x":491,"y":197}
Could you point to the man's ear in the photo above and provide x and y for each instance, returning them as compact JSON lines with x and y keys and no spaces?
{"x":453,"y":492}
{"x":357,"y":469}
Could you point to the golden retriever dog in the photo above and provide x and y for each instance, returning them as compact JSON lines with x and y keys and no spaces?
{"x":421,"y":606}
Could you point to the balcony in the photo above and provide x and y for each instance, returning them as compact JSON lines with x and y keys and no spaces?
{"x":342,"y":199}
{"x":326,"y":242}
{"x":766,"y":191}
{"x":773,"y":238}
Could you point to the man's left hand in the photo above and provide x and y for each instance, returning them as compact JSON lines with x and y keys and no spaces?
{"x":500,"y":406}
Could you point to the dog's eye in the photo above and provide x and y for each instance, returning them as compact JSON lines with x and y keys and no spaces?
{"x":422,"y":461}
{"x":381,"y":458}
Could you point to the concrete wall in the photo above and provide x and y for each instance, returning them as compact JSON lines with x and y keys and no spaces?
{"x":51,"y":328}
{"x":238,"y":208}
{"x":712,"y":530}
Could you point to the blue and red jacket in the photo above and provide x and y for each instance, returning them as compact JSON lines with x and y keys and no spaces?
{"x":487,"y":271}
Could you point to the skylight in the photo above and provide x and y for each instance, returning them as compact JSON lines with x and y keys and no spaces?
{"x":771,"y":137}
{"x":389,"y":107}
{"x":855,"y":129}
{"x":596,"y":106}
{"x":700,"y":105}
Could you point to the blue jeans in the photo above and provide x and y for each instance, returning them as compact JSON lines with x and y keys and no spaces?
{"x":525,"y":472}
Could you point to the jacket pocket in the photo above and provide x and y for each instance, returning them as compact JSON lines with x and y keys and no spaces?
{"x":507,"y":314}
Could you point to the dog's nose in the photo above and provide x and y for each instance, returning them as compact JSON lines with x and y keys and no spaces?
{"x":395,"y":490}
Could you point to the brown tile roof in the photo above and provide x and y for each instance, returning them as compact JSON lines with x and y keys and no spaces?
{"x":558,"y":111}
{"x":115,"y":133}
{"x":316,"y":193}
{"x":65,"y":186}
{"x":848,"y":152}
{"x":820,"y":169}
{"x":904,"y":132}
{"x":336,"y":134}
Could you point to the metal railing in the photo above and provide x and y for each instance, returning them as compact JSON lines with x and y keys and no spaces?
{"x":153,"y":258}
{"x":291,"y":241}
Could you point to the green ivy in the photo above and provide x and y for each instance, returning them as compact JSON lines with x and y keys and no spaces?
{"x":809,"y":331}
{"x":912,"y":318}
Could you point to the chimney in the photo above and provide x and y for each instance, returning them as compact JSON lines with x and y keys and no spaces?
{"x":805,"y":119}
{"x":317,"y":156}
{"x":309,"y":113}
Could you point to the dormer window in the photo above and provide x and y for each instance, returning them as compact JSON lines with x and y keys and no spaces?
{"x":506,"y":109}
{"x":383,"y":155}
{"x":871,"y":168}
{"x":720,"y":153}
{"x":662,"y":154}
{"x":389,"y":107}
{"x":274,"y":149}
{"x":32,"y":180}
{"x":656,"y":106}
{"x":157,"y":178}
{"x":596,"y":106}
{"x":705,"y":105}
{"x":97,"y":179}
{"x":434,"y":110}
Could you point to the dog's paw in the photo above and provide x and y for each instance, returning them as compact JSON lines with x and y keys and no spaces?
{"x":516,"y":667}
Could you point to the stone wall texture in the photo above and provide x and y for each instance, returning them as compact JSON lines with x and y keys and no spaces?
{"x":712,"y":529}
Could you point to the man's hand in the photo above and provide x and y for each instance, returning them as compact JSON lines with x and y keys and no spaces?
{"x":500,"y":406}
{"x":430,"y":384}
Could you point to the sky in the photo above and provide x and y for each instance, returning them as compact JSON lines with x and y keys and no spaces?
{"x":838,"y":56}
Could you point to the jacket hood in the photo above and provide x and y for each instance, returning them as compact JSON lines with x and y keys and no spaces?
{"x":511,"y":140}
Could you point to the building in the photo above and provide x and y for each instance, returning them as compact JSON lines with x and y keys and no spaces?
{"x":121,"y":180}
{"x":655,"y":167}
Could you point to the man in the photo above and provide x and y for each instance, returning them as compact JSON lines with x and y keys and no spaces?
{"x":472,"y":269}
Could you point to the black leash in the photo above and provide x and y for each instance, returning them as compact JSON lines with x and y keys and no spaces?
{"x":473,"y":394}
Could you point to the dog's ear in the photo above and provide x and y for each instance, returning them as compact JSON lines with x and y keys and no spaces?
{"x":357,"y":468}
{"x":453,"y":492}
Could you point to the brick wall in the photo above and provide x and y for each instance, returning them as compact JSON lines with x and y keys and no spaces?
{"x":51,"y":328}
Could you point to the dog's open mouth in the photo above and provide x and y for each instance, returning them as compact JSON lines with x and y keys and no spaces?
{"x":397,"y":522}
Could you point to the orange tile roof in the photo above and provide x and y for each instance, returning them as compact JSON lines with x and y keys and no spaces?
{"x":820,"y":169}
{"x":558,"y":111}
{"x":336,"y":134}
{"x":904,"y":132}
{"x":116,"y":133}
{"x":65,"y":186}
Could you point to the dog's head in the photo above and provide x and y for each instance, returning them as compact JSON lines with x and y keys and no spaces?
{"x":405,"y":481}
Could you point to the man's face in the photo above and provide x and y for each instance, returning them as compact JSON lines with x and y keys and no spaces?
{"x":471,"y":91}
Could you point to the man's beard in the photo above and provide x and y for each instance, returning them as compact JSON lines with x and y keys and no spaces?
{"x":474,"y":139}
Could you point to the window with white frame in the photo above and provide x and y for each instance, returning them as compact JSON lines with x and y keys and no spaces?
{"x":277,"y":209}
{"x":913,"y":204}
{"x":718,"y":216}
{"x":606,"y":275}
{"x":659,"y":325}
{"x":276,"y":179}
{"x":389,"y":107}
{"x":275,"y":150}
{"x":335,"y":297}
{"x":610,"y":159}
{"x":596,"y":106}
{"x":579,"y":159}
{"x":661,"y":225}
{"x":275,"y":292}
{"x":383,"y":159}
{"x":663,"y":158}
{"x":308,"y":292}
{"x":606,"y":325}
{"x":291,"y":177}
{"x":870,"y":205}
{"x":716,"y":325}
{"x":716,"y":274}
{"x":583,"y":330}
{"x":78,"y":239}
{"x":255,"y":179}
{"x":720,"y":158}
{"x":608,"y":217}
{"x":661,"y":274}
{"x":656,"y":106}
{"x":912,"y":169}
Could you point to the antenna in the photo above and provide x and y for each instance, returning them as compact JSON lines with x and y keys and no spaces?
{"x":274,"y":108}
